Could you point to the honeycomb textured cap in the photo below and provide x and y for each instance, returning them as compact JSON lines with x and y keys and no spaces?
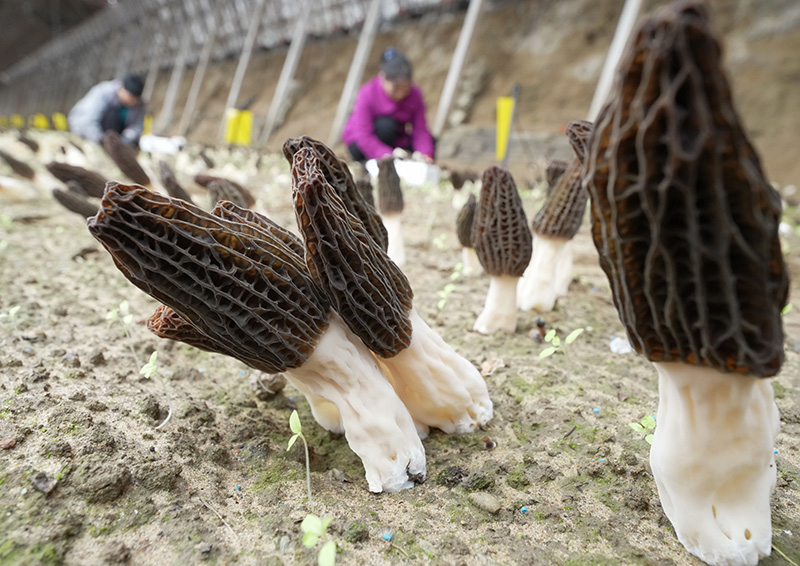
{"x":390,"y":193}
{"x":125,"y":157}
{"x":338,"y":175}
{"x":245,"y":197}
{"x":500,"y":233}
{"x":258,"y":225}
{"x":252,"y":297}
{"x":366,"y":288}
{"x":554,"y":171}
{"x":464,"y":221}
{"x":166,"y":323}
{"x":684,"y":220}
{"x":562,"y":213}
{"x":92,"y":183}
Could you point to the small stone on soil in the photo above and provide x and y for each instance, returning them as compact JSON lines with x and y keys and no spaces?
{"x":485,"y":501}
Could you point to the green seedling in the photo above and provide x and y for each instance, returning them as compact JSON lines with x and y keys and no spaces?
{"x":646,"y":426}
{"x":150,"y":370}
{"x":786,"y":309}
{"x":123,"y":316}
{"x":10,"y":315}
{"x":440,"y":242}
{"x":555,"y":342}
{"x":297,"y":429}
{"x":315,"y":529}
{"x":445,"y":291}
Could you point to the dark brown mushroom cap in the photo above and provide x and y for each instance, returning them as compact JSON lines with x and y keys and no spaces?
{"x":250,"y":296}
{"x":207,"y":161}
{"x":166,"y":323}
{"x":33,"y":145}
{"x":75,"y":202}
{"x":685,"y":222}
{"x":500,"y":233}
{"x":125,"y":157}
{"x":258,"y":225}
{"x":93,"y":183}
{"x":562,"y":213}
{"x":579,"y":133}
{"x":364,"y":186}
{"x":20,"y":168}
{"x":220,"y":189}
{"x":338,"y":175}
{"x":365,"y":287}
{"x":390,"y":194}
{"x":170,"y":182}
{"x":464,"y":221}
{"x":245,"y":196}
{"x":554,"y":171}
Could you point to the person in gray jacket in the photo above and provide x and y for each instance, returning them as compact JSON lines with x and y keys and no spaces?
{"x":110,"y":105}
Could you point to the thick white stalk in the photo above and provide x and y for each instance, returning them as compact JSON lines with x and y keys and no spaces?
{"x":563,"y":276}
{"x":439,"y":387}
{"x":500,"y":310}
{"x":469,"y":259}
{"x":377,"y":425}
{"x":537,"y":286}
{"x":713,"y":461}
{"x":394,"y":232}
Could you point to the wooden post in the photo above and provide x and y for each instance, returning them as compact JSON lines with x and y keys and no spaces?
{"x":454,"y":73}
{"x":244,"y":59}
{"x":356,"y":70}
{"x":287,"y":73}
{"x":199,"y":74}
{"x":626,"y":20}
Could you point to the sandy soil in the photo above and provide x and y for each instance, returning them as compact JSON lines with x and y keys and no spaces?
{"x":566,"y":482}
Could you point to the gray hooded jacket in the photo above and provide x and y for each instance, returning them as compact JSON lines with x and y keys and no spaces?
{"x":85,"y":117}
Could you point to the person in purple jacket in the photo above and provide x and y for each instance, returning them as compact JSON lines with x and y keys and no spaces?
{"x":389,"y":114}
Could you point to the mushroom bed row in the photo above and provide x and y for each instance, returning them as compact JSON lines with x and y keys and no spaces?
{"x":683,"y":219}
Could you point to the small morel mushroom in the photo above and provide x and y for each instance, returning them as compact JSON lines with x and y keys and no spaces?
{"x":364,"y":186}
{"x":93,"y":183}
{"x":32,"y":144}
{"x":254,"y":300}
{"x":462,"y":182}
{"x":502,"y":241}
{"x":170,"y":182}
{"x":466,"y":217}
{"x":223,"y":190}
{"x":339,"y":177}
{"x":245,"y":196}
{"x":125,"y":158}
{"x":686,"y":226}
{"x":553,"y":173}
{"x":20,"y":168}
{"x":75,"y":202}
{"x":439,"y":387}
{"x":550,"y":270}
{"x":390,"y":205}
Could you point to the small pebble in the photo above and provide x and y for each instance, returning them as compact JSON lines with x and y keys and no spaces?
{"x":387,"y":536}
{"x":523,"y":509}
{"x":152,"y":449}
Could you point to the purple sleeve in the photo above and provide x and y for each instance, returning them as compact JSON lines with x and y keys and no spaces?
{"x":421,"y":138}
{"x":360,"y":128}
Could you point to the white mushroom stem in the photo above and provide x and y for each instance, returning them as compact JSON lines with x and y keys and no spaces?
{"x":439,"y":387}
{"x":537,"y":286}
{"x":500,"y":310}
{"x":469,"y":259}
{"x":713,"y":461}
{"x":564,"y":263}
{"x":377,"y":425}
{"x":394,"y":231}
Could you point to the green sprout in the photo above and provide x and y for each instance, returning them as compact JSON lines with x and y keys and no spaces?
{"x":555,"y":342}
{"x":124,"y":317}
{"x":443,"y":293}
{"x":314,"y":529}
{"x":646,"y":426}
{"x":786,"y":309}
{"x":149,"y":370}
{"x":10,"y":315}
{"x":297,"y":429}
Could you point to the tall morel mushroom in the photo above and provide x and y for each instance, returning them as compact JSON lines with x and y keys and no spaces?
{"x":550,"y":270}
{"x":687,"y":230}
{"x":502,"y":241}
{"x":439,"y":387}
{"x":466,"y":217}
{"x":170,"y":182}
{"x":254,"y":300}
{"x":92,"y":183}
{"x":125,"y":157}
{"x":390,"y":205}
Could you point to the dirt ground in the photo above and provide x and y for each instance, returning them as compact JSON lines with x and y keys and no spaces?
{"x":87,"y":478}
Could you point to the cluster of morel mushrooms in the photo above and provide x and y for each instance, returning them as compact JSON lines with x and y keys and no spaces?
{"x":686,"y":227}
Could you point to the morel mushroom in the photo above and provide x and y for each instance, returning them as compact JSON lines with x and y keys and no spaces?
{"x":550,"y":270}
{"x":439,"y":387}
{"x":223,"y":190}
{"x":20,"y":168}
{"x":170,"y":182}
{"x":390,"y":205}
{"x":75,"y":202}
{"x":93,"y":183}
{"x":244,"y":196}
{"x":502,"y":241}
{"x":553,"y":172}
{"x":687,"y":230}
{"x":339,"y":177}
{"x":253,"y":299}
{"x":466,"y":217}
{"x":125,"y":158}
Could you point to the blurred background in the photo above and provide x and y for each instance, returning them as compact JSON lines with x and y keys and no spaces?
{"x":288,"y":64}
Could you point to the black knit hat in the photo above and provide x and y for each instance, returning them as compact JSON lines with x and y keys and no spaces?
{"x":133,"y":84}
{"x":395,"y":65}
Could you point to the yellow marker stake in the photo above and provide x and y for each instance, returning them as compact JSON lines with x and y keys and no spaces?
{"x":231,"y":125}
{"x":60,"y":122}
{"x":245,"y":128}
{"x":17,"y":121}
{"x":148,"y":125}
{"x":39,"y":121}
{"x":505,"y":111}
